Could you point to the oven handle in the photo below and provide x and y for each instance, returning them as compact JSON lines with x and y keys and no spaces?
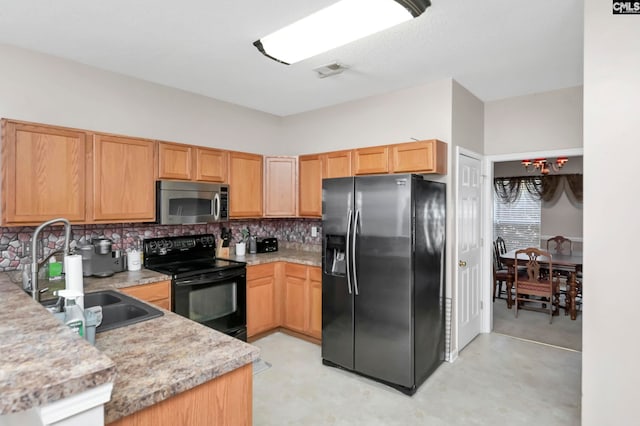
{"x":208,"y":279}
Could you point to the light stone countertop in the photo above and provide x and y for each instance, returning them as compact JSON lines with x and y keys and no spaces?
{"x":41,"y":360}
{"x":310,"y":258}
{"x":150,"y":361}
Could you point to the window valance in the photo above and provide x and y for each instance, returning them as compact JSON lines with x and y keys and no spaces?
{"x":545,"y":188}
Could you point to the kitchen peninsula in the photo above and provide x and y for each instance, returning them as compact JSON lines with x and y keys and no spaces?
{"x":155,"y":366}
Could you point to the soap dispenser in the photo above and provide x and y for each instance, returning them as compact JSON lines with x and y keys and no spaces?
{"x":73,"y":313}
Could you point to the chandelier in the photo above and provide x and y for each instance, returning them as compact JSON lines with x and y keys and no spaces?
{"x":543,"y":166}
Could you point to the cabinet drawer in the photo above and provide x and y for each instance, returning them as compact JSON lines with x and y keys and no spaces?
{"x":295,"y":270}
{"x":150,"y":292}
{"x":315,"y":273}
{"x":260,"y":271}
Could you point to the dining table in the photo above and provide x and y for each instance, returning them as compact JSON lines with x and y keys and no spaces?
{"x":571,"y":263}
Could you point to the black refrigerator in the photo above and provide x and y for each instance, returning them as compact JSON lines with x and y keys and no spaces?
{"x":383,"y":277}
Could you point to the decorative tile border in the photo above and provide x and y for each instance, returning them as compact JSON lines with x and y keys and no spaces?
{"x":291,"y":233}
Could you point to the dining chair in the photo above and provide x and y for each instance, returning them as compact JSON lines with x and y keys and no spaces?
{"x":539,"y":281}
{"x":559,"y":245}
{"x":500,"y":274}
{"x":562,"y":245}
{"x":501,"y":248}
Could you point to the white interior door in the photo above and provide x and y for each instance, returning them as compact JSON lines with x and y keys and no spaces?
{"x":469,"y":294}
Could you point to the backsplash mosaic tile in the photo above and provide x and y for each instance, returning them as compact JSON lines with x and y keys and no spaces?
{"x":291,"y":233}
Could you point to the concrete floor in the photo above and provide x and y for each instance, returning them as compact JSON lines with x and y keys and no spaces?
{"x":496,"y":380}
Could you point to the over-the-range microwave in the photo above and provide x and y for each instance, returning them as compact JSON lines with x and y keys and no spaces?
{"x":183,"y":203}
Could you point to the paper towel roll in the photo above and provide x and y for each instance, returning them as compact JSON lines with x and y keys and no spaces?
{"x":73,"y":275}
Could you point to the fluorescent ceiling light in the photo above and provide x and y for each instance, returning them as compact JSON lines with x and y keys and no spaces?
{"x":337,"y":25}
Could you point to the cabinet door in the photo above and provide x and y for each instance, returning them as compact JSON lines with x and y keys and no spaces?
{"x":44,"y":173}
{"x":174,"y":161}
{"x":261,"y":298}
{"x":211,"y":165}
{"x":371,"y":160}
{"x":337,"y":164}
{"x":158,"y":294}
{"x":245,"y":185}
{"x":314,"y":308}
{"x":310,"y":185}
{"x":123,"y":179}
{"x":295,"y":278}
{"x":422,"y":156}
{"x":280,"y":189}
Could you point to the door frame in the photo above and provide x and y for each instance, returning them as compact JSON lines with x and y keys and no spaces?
{"x":454,"y":261}
{"x":490,"y":160}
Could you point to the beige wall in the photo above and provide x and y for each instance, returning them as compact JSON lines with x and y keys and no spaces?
{"x":422,"y":112}
{"x":559,"y":217}
{"x":467,"y":120}
{"x":611,"y":348}
{"x":538,"y":122}
{"x":45,"y":89}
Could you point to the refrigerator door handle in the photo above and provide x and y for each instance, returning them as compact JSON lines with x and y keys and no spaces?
{"x":349,"y":217}
{"x":353,"y":252}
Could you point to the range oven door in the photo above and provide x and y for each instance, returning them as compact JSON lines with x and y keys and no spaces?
{"x":217,"y":300}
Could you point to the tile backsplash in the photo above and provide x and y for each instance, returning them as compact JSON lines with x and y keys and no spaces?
{"x":291,"y":233}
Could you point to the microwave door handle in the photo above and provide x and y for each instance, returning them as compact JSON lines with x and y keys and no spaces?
{"x":216,"y":206}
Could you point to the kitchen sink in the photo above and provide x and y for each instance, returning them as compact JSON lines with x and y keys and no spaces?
{"x":118,"y":310}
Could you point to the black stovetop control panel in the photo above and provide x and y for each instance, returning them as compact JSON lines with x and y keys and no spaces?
{"x":185,"y":246}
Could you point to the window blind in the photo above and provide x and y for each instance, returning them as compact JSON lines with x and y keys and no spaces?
{"x":518,"y":223}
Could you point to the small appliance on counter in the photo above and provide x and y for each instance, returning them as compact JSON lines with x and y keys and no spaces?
{"x":266,"y":244}
{"x":99,"y":260}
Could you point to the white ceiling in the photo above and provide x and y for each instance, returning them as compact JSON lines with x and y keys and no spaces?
{"x":495,"y":48}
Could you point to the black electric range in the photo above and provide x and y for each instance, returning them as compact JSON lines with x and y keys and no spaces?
{"x":204,"y":288}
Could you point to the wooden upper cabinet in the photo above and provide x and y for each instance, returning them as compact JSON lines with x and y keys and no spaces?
{"x":428,"y":156}
{"x":211,"y":165}
{"x":174,"y":161}
{"x":280,"y":187}
{"x":123,"y":179}
{"x":44,"y":173}
{"x":371,"y":160}
{"x":337,"y":164}
{"x":245,"y":184}
{"x":310,"y":185}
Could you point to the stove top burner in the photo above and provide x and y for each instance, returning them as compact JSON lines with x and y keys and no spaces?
{"x":185,"y":256}
{"x":198,"y":266}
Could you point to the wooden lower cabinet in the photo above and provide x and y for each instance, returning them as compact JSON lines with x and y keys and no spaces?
{"x":287,"y":295}
{"x":158,"y":294}
{"x":225,"y":400}
{"x":314,"y":298}
{"x":294,"y":306}
{"x":261,"y":298}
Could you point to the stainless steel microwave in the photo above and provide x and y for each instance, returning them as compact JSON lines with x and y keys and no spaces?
{"x":183,"y":203}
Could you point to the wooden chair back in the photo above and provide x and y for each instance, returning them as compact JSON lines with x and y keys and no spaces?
{"x":538,"y":280}
{"x":499,"y":247}
{"x":559,"y":245}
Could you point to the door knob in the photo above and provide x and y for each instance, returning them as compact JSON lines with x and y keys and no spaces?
{"x":462,"y":263}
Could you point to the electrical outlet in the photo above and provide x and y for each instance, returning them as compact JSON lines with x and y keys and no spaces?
{"x":314,"y":231}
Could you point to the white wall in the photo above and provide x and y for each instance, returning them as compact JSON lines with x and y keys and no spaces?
{"x":611,"y":348}
{"x":422,"y":112}
{"x":45,"y":89}
{"x":538,"y":122}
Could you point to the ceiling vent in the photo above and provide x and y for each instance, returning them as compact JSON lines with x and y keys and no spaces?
{"x":330,"y":69}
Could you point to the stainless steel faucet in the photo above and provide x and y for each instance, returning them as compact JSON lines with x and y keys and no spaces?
{"x":35,"y":265}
